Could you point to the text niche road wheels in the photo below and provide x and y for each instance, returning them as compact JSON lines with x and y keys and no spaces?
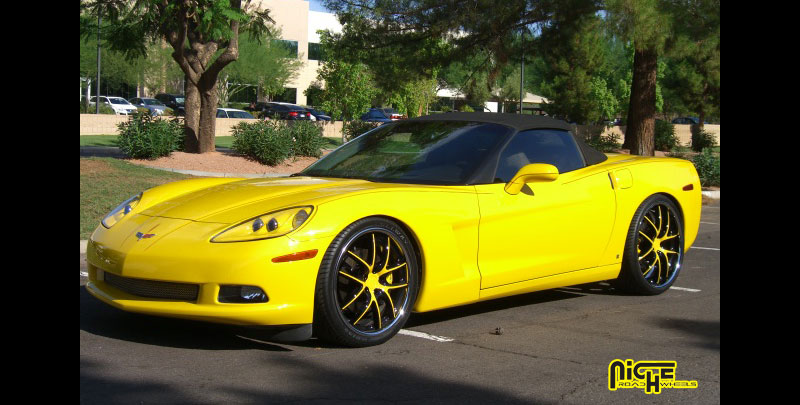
{"x":654,"y":248}
{"x":367,"y":284}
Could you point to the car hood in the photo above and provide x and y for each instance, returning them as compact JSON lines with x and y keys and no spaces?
{"x":241,"y":200}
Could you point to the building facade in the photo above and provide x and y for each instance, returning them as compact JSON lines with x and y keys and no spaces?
{"x":299,"y":26}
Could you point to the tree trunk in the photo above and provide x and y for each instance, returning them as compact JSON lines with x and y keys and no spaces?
{"x":191,"y":118}
{"x":208,"y":114}
{"x":640,"y":132}
{"x":702,"y":118}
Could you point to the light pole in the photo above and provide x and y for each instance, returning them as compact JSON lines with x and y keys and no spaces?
{"x":97,"y":86}
{"x":522,"y":71}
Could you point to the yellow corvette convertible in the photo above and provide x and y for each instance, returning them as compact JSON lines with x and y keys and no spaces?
{"x":415,"y":215}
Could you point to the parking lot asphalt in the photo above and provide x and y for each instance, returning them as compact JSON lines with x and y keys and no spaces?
{"x":555,"y":347}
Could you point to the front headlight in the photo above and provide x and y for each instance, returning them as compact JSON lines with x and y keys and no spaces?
{"x":270,"y":225}
{"x":123,"y":209}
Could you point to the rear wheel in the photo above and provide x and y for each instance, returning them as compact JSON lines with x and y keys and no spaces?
{"x":367,"y":284}
{"x":654,"y":248}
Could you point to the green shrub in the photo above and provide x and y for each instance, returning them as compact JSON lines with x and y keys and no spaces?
{"x":665,"y":138}
{"x":145,"y":137}
{"x":605,"y":144}
{"x":104,"y":109}
{"x":466,"y":108}
{"x":267,"y":142}
{"x":307,"y":137}
{"x":352,"y":129}
{"x":446,"y":108}
{"x":702,"y":139}
{"x":707,"y":165}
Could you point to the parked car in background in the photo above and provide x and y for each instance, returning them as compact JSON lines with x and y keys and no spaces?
{"x":173,"y":101}
{"x":154,"y":106}
{"x":393,"y":114}
{"x":317,"y":115}
{"x":233,"y":113}
{"x":285,"y":111}
{"x":687,"y":120}
{"x":118,"y":104}
{"x":376,"y":115}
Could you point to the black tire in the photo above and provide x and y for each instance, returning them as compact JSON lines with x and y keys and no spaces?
{"x":363,"y":273}
{"x":653,"y":248}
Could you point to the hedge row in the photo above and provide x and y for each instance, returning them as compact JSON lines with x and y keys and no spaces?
{"x":272,"y":142}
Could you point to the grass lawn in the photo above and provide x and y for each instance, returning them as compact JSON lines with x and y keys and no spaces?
{"x":106,"y":182}
{"x":220,"y":141}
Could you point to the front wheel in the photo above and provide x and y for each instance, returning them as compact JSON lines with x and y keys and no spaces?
{"x":367,"y":284}
{"x":653,"y":249}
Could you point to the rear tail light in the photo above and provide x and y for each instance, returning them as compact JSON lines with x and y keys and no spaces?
{"x":292,"y":113}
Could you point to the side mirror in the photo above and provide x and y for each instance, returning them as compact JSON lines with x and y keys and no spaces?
{"x":532,"y":173}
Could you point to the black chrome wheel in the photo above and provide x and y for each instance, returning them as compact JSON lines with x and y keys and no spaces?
{"x":373,"y":276}
{"x":367,"y":284}
{"x":658,"y":245}
{"x":653,"y":249}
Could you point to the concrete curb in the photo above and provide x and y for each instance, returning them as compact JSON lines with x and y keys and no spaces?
{"x":714,"y":194}
{"x":83,"y":246}
{"x":217,"y":174}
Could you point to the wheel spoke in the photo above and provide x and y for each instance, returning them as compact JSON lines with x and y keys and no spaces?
{"x":658,"y":261}
{"x":391,"y":303}
{"x":360,"y":259}
{"x":660,"y":219}
{"x":651,"y":223}
{"x":363,"y":287}
{"x":351,"y":277}
{"x":374,"y":253}
{"x":392,"y":287}
{"x":365,"y":311}
{"x":646,"y":254}
{"x":646,"y":237}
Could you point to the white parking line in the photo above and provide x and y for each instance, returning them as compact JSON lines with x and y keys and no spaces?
{"x":425,"y":335}
{"x":703,"y":248}
{"x":710,"y":223}
{"x":684,"y":289}
{"x":84,"y":274}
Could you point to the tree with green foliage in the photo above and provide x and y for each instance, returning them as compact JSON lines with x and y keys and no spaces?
{"x":411,"y":38}
{"x":569,"y":70}
{"x":349,"y":87}
{"x":693,"y":74}
{"x":204,"y":36}
{"x":263,"y":63}
{"x":648,"y":25}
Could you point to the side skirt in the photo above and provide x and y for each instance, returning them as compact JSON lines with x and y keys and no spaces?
{"x":555,"y":281}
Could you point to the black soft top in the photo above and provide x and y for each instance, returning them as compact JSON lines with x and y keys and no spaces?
{"x":520,"y":122}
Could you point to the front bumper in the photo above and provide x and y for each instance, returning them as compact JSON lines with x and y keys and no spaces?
{"x":182,"y":253}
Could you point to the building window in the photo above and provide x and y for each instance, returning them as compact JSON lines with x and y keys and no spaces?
{"x":288,"y":96}
{"x":314,"y":51}
{"x":290,"y":46}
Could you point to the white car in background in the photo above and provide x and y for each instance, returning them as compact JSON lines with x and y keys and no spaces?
{"x":233,"y":113}
{"x":118,"y":104}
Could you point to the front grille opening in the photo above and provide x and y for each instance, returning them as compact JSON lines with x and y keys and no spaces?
{"x":153,"y":289}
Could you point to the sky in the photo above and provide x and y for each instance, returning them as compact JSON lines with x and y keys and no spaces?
{"x":316,"y":5}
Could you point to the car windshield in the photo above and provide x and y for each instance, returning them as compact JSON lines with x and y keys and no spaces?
{"x":417,"y":152}
{"x":179,"y":100}
{"x":389,"y":111}
{"x":239,"y":114}
{"x":151,"y":101}
{"x":117,"y":100}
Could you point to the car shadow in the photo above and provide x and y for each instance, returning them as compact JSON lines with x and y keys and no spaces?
{"x":499,"y":304}
{"x":705,"y":334}
{"x":101,"y":319}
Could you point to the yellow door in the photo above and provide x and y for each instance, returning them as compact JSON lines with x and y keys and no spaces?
{"x":548,"y":228}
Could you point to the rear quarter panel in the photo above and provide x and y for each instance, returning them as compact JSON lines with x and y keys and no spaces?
{"x":637,"y":178}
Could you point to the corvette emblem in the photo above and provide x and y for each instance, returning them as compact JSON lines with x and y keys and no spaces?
{"x":140,"y":236}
